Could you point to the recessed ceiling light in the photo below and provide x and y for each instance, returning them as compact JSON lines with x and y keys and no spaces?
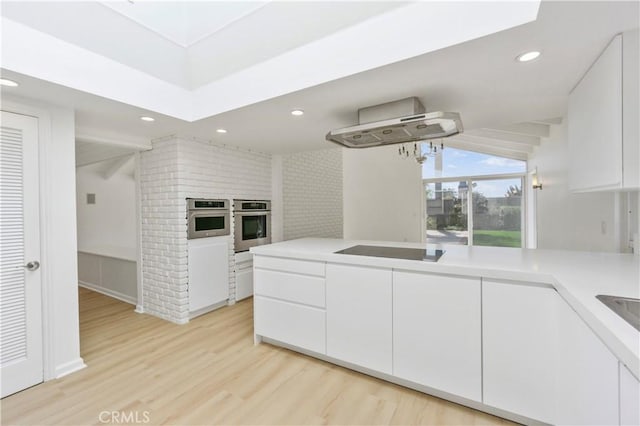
{"x":7,"y":82}
{"x":528,"y":56}
{"x":221,"y":131}
{"x":297,"y":112}
{"x":146,"y":118}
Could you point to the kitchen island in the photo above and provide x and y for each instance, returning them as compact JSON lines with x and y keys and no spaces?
{"x":514,"y":332}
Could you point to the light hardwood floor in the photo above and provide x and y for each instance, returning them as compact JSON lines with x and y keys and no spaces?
{"x":209,"y":372}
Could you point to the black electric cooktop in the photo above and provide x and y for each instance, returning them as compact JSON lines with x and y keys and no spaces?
{"x":428,"y":255}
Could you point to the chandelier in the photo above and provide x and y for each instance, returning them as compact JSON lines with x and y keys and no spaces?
{"x":419,"y":153}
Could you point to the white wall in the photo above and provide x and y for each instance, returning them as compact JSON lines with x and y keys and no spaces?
{"x":107,"y":231}
{"x":312,"y":194}
{"x":58,"y":236}
{"x":586,"y":221}
{"x":176,"y":169}
{"x":111,"y":221}
{"x":382,"y":195}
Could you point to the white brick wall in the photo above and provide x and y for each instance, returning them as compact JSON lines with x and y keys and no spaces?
{"x":176,"y":169}
{"x":163,"y":242}
{"x":312,"y":194}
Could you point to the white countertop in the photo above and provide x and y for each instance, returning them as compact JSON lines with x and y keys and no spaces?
{"x":577,"y":276}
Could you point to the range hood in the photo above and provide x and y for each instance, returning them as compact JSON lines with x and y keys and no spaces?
{"x":396,"y":122}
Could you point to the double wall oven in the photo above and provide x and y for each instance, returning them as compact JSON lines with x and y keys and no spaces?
{"x":252,"y":223}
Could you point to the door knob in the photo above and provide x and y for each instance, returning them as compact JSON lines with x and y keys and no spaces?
{"x":32,"y":266}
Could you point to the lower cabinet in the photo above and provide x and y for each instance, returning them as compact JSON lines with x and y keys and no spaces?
{"x":587,"y":388}
{"x":519,"y":341}
{"x":244,"y":275}
{"x":359,"y":316}
{"x":290,"y":323}
{"x":514,"y":346}
{"x":289,"y":302}
{"x":208,"y":273}
{"x":437,"y":332}
{"x":540,"y":360}
{"x":629,"y":398}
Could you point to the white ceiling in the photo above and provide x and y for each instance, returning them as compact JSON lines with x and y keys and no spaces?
{"x":280,"y":48}
{"x":185,"y":22}
{"x":478,"y":78}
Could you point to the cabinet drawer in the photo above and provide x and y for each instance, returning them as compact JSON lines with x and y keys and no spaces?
{"x":297,"y":325}
{"x":307,"y":267}
{"x":291,"y":287}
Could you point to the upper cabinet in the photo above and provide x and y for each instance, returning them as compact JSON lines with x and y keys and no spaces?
{"x":604,"y":141}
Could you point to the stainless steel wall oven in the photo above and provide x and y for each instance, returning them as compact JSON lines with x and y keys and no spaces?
{"x":207,"y":218}
{"x":252,"y":223}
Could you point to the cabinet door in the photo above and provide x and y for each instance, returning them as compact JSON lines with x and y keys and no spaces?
{"x":244,"y":283}
{"x":436,"y":332}
{"x":208,"y":272}
{"x":629,"y":398}
{"x":519,"y":340}
{"x":359,"y":316}
{"x":587,"y":389}
{"x":595,"y":124}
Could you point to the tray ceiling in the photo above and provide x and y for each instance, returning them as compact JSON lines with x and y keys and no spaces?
{"x":478,"y":78}
{"x":249,"y":55}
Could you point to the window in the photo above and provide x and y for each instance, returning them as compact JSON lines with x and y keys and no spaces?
{"x":481,"y":203}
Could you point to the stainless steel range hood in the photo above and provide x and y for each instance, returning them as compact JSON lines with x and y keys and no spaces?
{"x":396,"y":122}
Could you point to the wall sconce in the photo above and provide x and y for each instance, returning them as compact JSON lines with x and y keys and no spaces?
{"x":534,"y":180}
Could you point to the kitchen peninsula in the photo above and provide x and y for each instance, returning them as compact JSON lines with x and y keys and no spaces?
{"x":514,"y":332}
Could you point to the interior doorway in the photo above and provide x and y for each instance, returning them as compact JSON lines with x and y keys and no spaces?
{"x":107,"y":214}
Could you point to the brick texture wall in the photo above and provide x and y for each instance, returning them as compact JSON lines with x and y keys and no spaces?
{"x":176,"y":169}
{"x":312,"y":194}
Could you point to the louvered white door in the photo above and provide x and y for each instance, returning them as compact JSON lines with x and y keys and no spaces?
{"x":20,"y":283}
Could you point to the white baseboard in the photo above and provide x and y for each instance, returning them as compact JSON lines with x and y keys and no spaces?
{"x":69,"y":367}
{"x":207,"y":309}
{"x":108,"y":292}
{"x":139,"y":309}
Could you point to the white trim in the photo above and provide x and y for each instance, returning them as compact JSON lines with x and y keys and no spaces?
{"x":108,"y":292}
{"x":139,"y":275}
{"x":469,"y":212}
{"x":44,"y":141}
{"x":524,"y":182}
{"x":481,"y":177}
{"x":69,"y":367}
{"x":208,"y":309}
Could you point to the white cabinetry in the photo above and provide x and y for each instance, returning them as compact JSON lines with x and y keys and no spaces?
{"x":587,"y":388}
{"x":519,"y":340}
{"x":629,"y":398}
{"x":208,"y":273}
{"x":359,"y":316}
{"x":289,"y":302}
{"x":244,"y":275}
{"x":602,"y":121}
{"x":511,"y":348}
{"x":437,"y":332}
{"x":290,"y":323}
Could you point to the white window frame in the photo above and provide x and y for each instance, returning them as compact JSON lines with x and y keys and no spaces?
{"x":524,"y":211}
